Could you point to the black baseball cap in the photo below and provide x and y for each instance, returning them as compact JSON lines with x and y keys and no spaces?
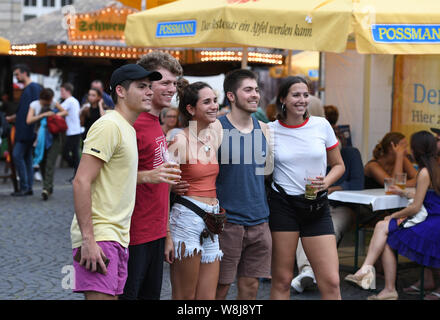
{"x":435,"y":130}
{"x":132,"y":72}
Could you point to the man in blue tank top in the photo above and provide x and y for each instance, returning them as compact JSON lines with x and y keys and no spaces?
{"x":246,"y":240}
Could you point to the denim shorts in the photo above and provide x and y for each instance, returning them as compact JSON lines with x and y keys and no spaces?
{"x":186,"y":227}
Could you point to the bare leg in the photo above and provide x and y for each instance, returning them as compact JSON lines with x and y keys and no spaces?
{"x":207,"y":283}
{"x":222,"y":291}
{"x":247,"y":288}
{"x":323,"y":257}
{"x":389,"y":267}
{"x":377,"y":244}
{"x":284,"y":246}
{"x":184,"y":276}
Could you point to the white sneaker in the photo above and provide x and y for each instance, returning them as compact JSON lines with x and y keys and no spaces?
{"x":304,"y":280}
{"x":37,"y":176}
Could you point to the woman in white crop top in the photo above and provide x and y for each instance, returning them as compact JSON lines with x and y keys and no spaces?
{"x":300,"y":143}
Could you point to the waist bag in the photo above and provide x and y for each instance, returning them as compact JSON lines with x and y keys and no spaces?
{"x":214,"y":222}
{"x":304,"y":206}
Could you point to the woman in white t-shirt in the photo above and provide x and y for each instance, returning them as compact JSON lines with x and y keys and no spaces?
{"x":49,"y":144}
{"x":302,"y":143}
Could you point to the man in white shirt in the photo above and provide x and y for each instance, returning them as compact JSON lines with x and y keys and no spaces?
{"x":73,"y":133}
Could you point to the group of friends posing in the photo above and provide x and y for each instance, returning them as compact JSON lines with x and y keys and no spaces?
{"x":124,"y":227}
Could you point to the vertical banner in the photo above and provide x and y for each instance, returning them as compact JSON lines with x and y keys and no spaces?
{"x":416,"y":98}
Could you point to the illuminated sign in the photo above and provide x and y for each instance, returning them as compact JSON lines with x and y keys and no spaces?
{"x":186,"y":28}
{"x":406,"y":33}
{"x":105,"y":24}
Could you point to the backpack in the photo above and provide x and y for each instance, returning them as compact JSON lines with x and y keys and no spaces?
{"x":56,"y":124}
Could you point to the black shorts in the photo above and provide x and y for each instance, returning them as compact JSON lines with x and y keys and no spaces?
{"x":283,"y":217}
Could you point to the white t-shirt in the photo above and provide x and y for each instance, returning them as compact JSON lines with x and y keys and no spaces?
{"x":36,"y":106}
{"x":300,"y":148}
{"x":72,"y":119}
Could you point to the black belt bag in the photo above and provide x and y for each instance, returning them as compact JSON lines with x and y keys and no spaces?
{"x":304,"y":206}
{"x":214,"y":222}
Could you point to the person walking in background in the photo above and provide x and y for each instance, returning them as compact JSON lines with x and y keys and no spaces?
{"x":418,"y":242}
{"x":302,"y":143}
{"x":24,"y":133}
{"x":73,"y":133}
{"x":197,"y":255}
{"x":48,"y":144}
{"x":92,"y":110}
{"x":104,"y":188}
{"x":389,"y":158}
{"x":148,"y":232}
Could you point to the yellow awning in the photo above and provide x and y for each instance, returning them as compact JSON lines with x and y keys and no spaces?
{"x":397,"y":26}
{"x":314,"y":25}
{"x":5,"y":46}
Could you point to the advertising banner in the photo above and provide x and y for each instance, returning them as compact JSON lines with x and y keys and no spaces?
{"x":416,"y":100}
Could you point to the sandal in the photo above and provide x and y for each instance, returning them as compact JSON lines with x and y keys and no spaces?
{"x":433,"y":296}
{"x":413,"y":289}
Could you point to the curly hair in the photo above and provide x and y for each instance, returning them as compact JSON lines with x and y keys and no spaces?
{"x":159,"y":59}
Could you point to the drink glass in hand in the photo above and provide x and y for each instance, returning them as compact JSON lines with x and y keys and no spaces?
{"x":172,"y":161}
{"x":310,"y":189}
{"x":400,"y":180}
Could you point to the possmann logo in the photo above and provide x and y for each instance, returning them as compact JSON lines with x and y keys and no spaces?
{"x":185,"y":28}
{"x":406,"y":33}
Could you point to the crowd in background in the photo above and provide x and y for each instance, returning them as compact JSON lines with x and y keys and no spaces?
{"x":278,"y":235}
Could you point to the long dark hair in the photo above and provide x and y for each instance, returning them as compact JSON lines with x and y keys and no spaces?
{"x":283,"y":91}
{"x":188,"y":95}
{"x":424,"y":149}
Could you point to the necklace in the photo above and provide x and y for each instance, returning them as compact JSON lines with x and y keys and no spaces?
{"x":206,"y":146}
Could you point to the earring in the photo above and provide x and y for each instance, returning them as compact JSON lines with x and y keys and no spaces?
{"x":283,"y":107}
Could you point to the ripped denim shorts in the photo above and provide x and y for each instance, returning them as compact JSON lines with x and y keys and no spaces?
{"x":186,"y":227}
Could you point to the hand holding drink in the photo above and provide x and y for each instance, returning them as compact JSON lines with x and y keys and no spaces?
{"x":314,"y":182}
{"x":172,"y":162}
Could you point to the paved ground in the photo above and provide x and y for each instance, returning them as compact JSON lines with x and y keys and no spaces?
{"x":35,"y":254}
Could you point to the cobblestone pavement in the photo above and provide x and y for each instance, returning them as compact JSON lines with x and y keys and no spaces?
{"x":35,"y":252}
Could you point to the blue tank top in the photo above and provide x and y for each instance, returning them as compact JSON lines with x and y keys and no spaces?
{"x":240,"y":182}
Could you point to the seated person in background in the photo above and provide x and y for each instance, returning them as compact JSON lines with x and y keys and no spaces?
{"x":389,"y":158}
{"x":418,"y":242}
{"x":341,"y":213}
{"x":332,"y":115}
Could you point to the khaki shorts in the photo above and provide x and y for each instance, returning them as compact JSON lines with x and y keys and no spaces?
{"x":247,"y":252}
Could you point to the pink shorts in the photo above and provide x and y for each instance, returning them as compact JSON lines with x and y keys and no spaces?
{"x":114,"y":281}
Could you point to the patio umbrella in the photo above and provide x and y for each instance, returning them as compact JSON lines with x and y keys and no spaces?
{"x":5,"y":46}
{"x":314,"y":25}
{"x":397,"y":26}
